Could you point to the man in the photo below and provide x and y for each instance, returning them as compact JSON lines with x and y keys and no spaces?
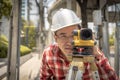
{"x":54,"y":63}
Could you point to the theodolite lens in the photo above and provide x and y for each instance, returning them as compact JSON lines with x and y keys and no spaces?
{"x":86,"y":34}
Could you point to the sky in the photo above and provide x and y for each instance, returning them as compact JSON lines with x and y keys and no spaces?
{"x":50,"y":2}
{"x":35,"y":17}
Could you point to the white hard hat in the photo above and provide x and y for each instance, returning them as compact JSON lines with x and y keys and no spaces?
{"x":64,"y":18}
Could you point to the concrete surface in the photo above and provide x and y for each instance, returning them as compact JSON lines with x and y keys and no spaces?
{"x":30,"y":69}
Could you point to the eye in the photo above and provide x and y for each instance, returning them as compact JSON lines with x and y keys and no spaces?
{"x":63,"y":36}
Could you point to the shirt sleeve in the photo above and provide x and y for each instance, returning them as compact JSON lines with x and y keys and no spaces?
{"x":45,"y":72}
{"x":106,"y":72}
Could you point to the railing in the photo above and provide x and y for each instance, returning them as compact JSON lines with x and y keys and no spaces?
{"x":3,"y":65}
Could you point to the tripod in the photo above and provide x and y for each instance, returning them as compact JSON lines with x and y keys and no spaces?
{"x":77,"y":67}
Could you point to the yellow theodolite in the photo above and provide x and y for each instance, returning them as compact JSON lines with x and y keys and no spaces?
{"x":82,"y":39}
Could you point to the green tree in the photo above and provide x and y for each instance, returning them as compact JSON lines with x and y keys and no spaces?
{"x":31,"y":36}
{"x":5,"y":8}
{"x":31,"y":33}
{"x":24,"y":22}
{"x":111,"y":39}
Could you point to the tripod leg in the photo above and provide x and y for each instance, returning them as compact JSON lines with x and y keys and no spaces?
{"x":72,"y":73}
{"x":79,"y":75}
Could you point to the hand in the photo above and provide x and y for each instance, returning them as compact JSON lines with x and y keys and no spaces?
{"x":96,"y":51}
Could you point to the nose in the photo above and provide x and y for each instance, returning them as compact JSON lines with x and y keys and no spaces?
{"x":71,"y":38}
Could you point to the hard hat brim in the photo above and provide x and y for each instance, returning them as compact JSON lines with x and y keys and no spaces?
{"x":65,"y":26}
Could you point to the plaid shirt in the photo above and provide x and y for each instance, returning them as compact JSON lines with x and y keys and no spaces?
{"x":54,"y":66}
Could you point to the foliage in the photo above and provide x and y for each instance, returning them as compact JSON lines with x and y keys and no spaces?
{"x":24,"y":22}
{"x":5,"y":8}
{"x":24,"y":50}
{"x":4,"y":48}
{"x":3,"y":38}
{"x":31,"y":36}
{"x":111,"y":39}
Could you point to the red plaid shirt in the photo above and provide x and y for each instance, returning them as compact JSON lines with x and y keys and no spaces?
{"x":54,"y":66}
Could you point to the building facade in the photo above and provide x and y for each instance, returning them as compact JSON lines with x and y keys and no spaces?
{"x":24,"y":9}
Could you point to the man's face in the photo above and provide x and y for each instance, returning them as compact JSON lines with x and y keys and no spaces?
{"x":64,"y":38}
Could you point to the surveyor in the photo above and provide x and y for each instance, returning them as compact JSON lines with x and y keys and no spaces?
{"x":54,"y":62}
